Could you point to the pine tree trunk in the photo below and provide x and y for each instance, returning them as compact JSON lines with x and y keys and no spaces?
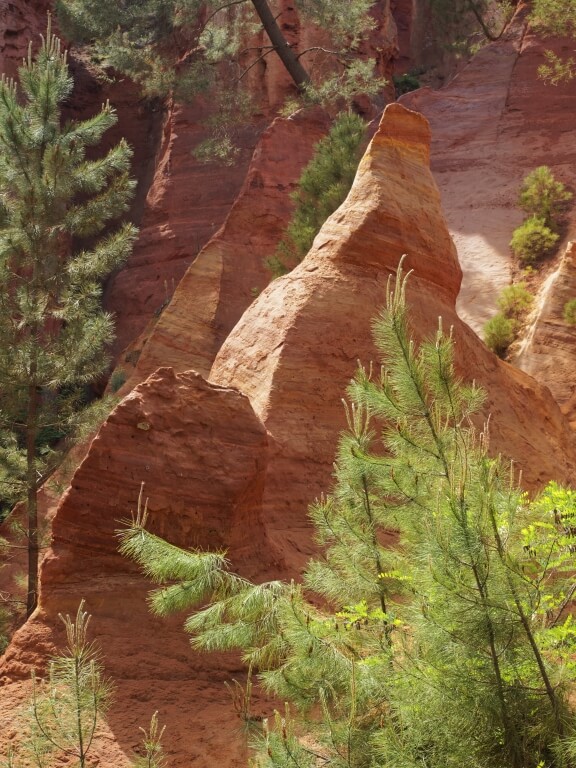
{"x":32,"y":495}
{"x":283,"y":49}
{"x":550,"y":691}
{"x":479,"y":18}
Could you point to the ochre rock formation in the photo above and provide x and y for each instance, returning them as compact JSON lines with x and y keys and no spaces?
{"x":493,"y":124}
{"x":188,"y":201}
{"x":200,"y":451}
{"x":547,"y":351}
{"x":21,"y":21}
{"x":296,"y":347}
{"x":186,"y":204}
{"x":230,"y":270}
{"x":235,"y":461}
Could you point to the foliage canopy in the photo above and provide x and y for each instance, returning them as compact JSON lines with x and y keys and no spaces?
{"x":55,"y":205}
{"x":322,"y":187}
{"x":448,"y":647}
{"x":188,"y":44}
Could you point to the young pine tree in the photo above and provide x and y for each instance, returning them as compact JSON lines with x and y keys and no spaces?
{"x":449,"y":646}
{"x":66,"y":709}
{"x":55,"y":205}
{"x":322,"y":187}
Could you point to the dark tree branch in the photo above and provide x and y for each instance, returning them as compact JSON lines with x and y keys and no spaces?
{"x":487,"y":33}
{"x":287,"y":56}
{"x":221,"y":8}
{"x":262,"y":56}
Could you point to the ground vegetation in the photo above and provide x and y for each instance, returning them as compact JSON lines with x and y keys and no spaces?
{"x":442,"y":638}
{"x":58,"y":242}
{"x":322,"y":187}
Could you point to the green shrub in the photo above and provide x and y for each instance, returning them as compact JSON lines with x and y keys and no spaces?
{"x":322,"y":187}
{"x":118,"y":379}
{"x":450,"y":645}
{"x":499,"y":333}
{"x":570,"y":312}
{"x":533,"y":239}
{"x":542,"y":197}
{"x":515,"y":300}
{"x":405,"y":83}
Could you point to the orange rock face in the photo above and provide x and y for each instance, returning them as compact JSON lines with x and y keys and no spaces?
{"x":492,"y":125}
{"x":230,"y":271}
{"x":188,"y":201}
{"x":201,"y":451}
{"x":20,"y":22}
{"x":296,"y":348}
{"x":186,"y":204}
{"x":235,"y":461}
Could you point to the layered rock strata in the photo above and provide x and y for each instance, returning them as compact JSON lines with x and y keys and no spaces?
{"x":235,"y":461}
{"x":547,"y":350}
{"x":230,"y":270}
{"x":493,"y":124}
{"x":188,"y":202}
{"x":296,"y":347}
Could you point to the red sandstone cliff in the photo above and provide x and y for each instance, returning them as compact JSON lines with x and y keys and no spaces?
{"x":188,"y":202}
{"x":230,"y":270}
{"x":235,"y":461}
{"x":493,"y":124}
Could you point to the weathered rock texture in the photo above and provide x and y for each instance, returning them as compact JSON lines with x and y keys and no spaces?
{"x":237,"y":469}
{"x":195,"y":318}
{"x":20,"y":22}
{"x":296,"y":347}
{"x":230,"y":270}
{"x":188,"y":202}
{"x":491,"y":126}
{"x":201,"y":451}
{"x":547,"y":351}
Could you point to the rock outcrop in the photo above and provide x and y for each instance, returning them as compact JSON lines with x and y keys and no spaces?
{"x":493,"y":124}
{"x":547,"y":351}
{"x":21,"y":21}
{"x":296,"y":347}
{"x":235,"y":461}
{"x":230,"y":270}
{"x":188,"y":202}
{"x":200,"y":451}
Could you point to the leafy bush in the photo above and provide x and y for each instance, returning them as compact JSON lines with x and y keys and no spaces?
{"x":570,"y":312}
{"x":533,"y":239}
{"x":118,"y":379}
{"x":515,"y":300}
{"x":405,"y":83}
{"x":555,"y":17}
{"x":322,"y":187}
{"x":499,"y":333}
{"x":501,"y":330}
{"x":542,"y":197}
